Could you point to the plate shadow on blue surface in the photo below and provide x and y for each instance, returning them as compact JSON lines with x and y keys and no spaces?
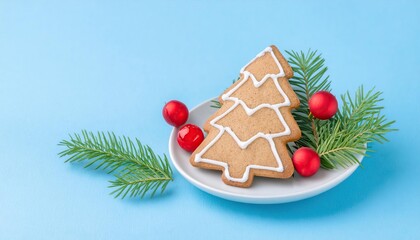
{"x":354,"y":191}
{"x":78,"y":168}
{"x":157,"y":199}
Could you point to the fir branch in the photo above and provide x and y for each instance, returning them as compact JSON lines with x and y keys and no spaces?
{"x":357,"y":123}
{"x":309,"y":71}
{"x":138,"y":170}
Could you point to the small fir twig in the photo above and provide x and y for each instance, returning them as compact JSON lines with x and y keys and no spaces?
{"x":358,"y":122}
{"x":309,"y":71}
{"x":215,"y":104}
{"x":137,"y":169}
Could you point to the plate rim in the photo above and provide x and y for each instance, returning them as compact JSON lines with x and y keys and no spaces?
{"x":296,"y":196}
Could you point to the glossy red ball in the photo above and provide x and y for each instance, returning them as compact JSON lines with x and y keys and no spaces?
{"x":190,"y":137}
{"x":323,"y":105}
{"x":175,"y":113}
{"x":306,"y":161}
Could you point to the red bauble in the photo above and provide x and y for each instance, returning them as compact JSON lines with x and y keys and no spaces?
{"x":306,"y":161}
{"x":175,"y":113}
{"x":189,"y":137}
{"x":323,"y":105}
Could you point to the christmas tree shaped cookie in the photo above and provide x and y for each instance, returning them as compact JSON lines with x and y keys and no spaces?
{"x":247,"y":136}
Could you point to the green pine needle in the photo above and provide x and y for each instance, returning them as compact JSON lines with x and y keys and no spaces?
{"x":137,"y":169}
{"x":215,"y":104}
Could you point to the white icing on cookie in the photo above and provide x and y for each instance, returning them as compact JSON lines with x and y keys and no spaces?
{"x":250,"y":111}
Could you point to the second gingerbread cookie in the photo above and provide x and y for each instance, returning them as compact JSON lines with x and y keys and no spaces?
{"x":247,"y":136}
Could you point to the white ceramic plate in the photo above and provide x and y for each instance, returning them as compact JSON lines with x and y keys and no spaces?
{"x":263,"y":190}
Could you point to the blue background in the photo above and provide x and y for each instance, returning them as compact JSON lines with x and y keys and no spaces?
{"x":111,"y":65}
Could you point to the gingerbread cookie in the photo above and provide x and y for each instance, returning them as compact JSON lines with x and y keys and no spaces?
{"x":247,"y":136}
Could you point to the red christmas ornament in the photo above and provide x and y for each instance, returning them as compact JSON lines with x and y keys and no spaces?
{"x":189,"y":137}
{"x":175,"y":113}
{"x":306,"y":161}
{"x":323,"y":105}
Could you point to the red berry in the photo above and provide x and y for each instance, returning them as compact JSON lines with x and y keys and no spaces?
{"x":175,"y":113}
{"x":323,"y":105}
{"x":189,"y":137}
{"x":306,"y":161}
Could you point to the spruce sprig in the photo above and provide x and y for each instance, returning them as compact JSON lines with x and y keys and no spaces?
{"x":358,"y":122}
{"x":309,"y":71}
{"x":137,"y":169}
